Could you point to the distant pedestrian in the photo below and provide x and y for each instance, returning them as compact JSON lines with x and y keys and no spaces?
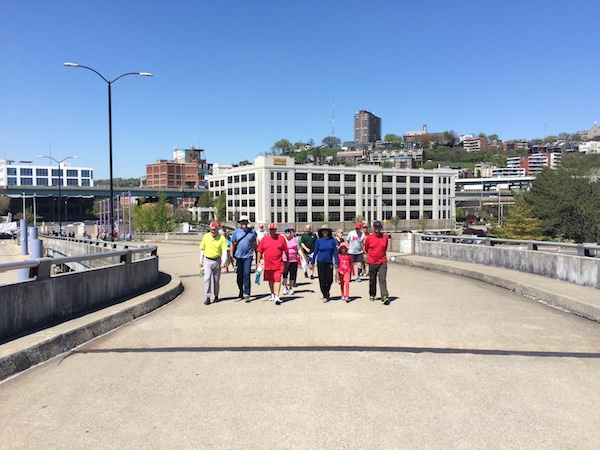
{"x":365,"y":229}
{"x":291,"y":261}
{"x":307,"y":241}
{"x":356,"y":241}
{"x":376,"y":246}
{"x":345,"y":270}
{"x":223,"y":229}
{"x":213,"y":257}
{"x":243,"y":247}
{"x":273,"y":247}
{"x":325,"y":253}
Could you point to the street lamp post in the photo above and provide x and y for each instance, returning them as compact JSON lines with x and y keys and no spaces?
{"x":59,"y":184}
{"x":110,"y":152}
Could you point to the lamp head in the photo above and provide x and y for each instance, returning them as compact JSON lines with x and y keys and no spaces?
{"x":68,"y":64}
{"x":145,"y":74}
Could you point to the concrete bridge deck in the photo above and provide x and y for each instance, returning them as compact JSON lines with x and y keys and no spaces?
{"x":453,"y":362}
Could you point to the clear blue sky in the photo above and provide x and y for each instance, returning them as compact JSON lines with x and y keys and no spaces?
{"x":233,"y":77}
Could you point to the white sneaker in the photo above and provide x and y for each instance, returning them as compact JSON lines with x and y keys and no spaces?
{"x":277,"y":301}
{"x":272,"y":298}
{"x":358,"y":279}
{"x":290,"y":292}
{"x":285,"y":290}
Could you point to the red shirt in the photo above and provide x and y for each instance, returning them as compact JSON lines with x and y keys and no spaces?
{"x":273,"y":250}
{"x":376,"y":248}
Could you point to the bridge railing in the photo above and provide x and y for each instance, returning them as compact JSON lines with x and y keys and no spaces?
{"x":576,"y":265}
{"x":46,"y":298}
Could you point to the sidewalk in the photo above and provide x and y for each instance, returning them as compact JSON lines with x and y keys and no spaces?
{"x":452,"y":362}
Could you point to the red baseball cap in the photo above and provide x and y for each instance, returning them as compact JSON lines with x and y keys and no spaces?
{"x":261,"y":226}
{"x":223,"y":224}
{"x":357,"y":225}
{"x":272,"y":226}
{"x":214,"y":225}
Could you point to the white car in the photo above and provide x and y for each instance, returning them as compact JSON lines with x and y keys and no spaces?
{"x":76,"y":224}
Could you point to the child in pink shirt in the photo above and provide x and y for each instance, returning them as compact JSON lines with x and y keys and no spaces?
{"x":345,"y":270}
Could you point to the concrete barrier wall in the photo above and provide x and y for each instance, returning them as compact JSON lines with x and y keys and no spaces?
{"x":581,"y":270}
{"x":36,"y":304}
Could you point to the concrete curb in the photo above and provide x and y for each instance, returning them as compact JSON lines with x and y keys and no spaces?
{"x":566,"y":302}
{"x":26,"y":352}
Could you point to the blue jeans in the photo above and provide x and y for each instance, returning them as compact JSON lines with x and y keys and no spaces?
{"x":243,"y":274}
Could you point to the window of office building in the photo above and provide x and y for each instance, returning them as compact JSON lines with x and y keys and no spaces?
{"x":318,"y":189}
{"x":41,"y":181}
{"x":428,"y":202}
{"x":11,"y":171}
{"x":349,"y":177}
{"x":278,"y":176}
{"x":334,"y":202}
{"x":85,"y":182}
{"x":279,"y":204}
{"x":427,"y":180}
{"x":251,"y":177}
{"x":252,"y":203}
{"x":54,"y":181}
{"x":414,"y":215}
{"x":251,"y":190}
{"x":301,"y":189}
{"x":414,"y":202}
{"x":244,"y":203}
{"x":236,"y":191}
{"x":349,"y":190}
{"x":26,"y":181}
{"x":236,"y":178}
{"x":318,"y":216}
{"x":428,"y":214}
{"x":428,"y":191}
{"x":71,"y":173}
{"x":334,"y":189}
{"x":244,"y":190}
{"x":230,"y":203}
{"x":244,"y":178}
{"x":229,"y":191}
{"x":26,"y":172}
{"x":349,"y":216}
{"x":72,"y":182}
{"x":301,"y":216}
{"x":401,"y":215}
{"x":41,"y":173}
{"x":301,"y":202}
{"x":334,"y":216}
{"x":401,"y":179}
{"x":386,"y":202}
{"x":223,"y":182}
{"x":349,"y":202}
{"x":415,"y":191}
{"x":387,"y":215}
{"x":387,"y":191}
{"x":334,"y":177}
{"x":301,"y":176}
{"x":252,"y":217}
{"x":229,"y":179}
{"x":401,"y":190}
{"x":318,"y":202}
{"x":318,"y":177}
{"x":415,"y":180}
{"x":387,"y":178}
{"x":401,"y":202}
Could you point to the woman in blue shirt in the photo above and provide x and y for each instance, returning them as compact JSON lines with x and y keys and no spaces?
{"x":326,"y":255}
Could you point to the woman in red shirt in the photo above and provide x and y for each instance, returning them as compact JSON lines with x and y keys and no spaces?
{"x":376,"y":245}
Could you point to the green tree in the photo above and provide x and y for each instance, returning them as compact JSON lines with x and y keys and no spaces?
{"x":154,"y":217}
{"x":332,"y":141}
{"x":566,"y":201}
{"x":460,"y":214}
{"x":423,"y":221}
{"x":282,"y":147}
{"x":205,"y":200}
{"x":493,"y":137}
{"x":395,"y":221}
{"x":519,"y":223}
{"x":4,"y":203}
{"x":28,"y":215}
{"x":221,"y":207}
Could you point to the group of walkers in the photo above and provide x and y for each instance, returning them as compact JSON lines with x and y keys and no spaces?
{"x":278,"y":258}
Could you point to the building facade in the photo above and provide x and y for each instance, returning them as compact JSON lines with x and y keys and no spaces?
{"x":27,"y":174}
{"x":534,"y":164}
{"x":275,"y":189}
{"x":367,"y":127}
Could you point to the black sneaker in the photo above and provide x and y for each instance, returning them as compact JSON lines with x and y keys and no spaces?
{"x":305,"y":274}
{"x":312,"y":277}
{"x":241,"y":294}
{"x":247,"y":297}
{"x":207,"y":301}
{"x":385,"y":300}
{"x":216,"y":298}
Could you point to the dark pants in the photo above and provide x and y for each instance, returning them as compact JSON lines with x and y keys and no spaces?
{"x":243,"y":274}
{"x":378,"y":272}
{"x":325,"y":277}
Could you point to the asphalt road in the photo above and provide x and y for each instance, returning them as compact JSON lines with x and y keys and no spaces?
{"x":450,"y":363}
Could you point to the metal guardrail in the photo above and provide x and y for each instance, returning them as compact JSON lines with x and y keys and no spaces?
{"x":585,"y":249}
{"x":42,"y":267}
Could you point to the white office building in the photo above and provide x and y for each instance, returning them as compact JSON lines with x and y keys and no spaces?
{"x":27,"y":174}
{"x":275,"y":189}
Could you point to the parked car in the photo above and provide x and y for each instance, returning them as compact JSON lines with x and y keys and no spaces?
{"x":5,"y":235}
{"x":76,"y":224}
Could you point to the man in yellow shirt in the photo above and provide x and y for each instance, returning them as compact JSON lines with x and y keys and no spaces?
{"x":213,"y":257}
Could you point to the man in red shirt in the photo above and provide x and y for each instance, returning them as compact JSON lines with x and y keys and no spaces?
{"x":272,"y":247}
{"x":376,"y":245}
